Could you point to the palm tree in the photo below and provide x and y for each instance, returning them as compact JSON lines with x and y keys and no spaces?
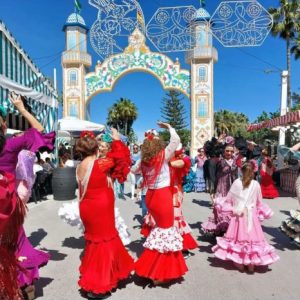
{"x":286,"y":25}
{"x":296,"y":47}
{"x":122,"y":115}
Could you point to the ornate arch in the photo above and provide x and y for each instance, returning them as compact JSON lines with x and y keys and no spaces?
{"x":137,"y":57}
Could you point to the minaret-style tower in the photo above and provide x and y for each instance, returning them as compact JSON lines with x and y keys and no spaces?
{"x":75,"y":62}
{"x":202,"y":58}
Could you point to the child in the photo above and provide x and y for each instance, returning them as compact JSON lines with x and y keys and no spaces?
{"x":244,"y":242}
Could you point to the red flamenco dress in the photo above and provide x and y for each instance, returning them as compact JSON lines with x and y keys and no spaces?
{"x":162,"y":259}
{"x":105,"y":260}
{"x":11,"y":217}
{"x":268,"y":189}
{"x":177,"y":175}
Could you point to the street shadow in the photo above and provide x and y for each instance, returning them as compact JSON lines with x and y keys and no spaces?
{"x":205,"y":249}
{"x":55,"y":255}
{"x":204,"y":203}
{"x":40,"y":285}
{"x":285,"y":212}
{"x":138,"y":218}
{"x":228,"y":265}
{"x":74,"y":243}
{"x":136,"y":247}
{"x":279,"y":240}
{"x":37,"y":236}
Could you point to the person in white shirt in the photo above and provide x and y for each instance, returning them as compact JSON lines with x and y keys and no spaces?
{"x":162,"y":259}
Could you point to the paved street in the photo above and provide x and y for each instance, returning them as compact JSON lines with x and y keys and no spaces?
{"x":208,"y":278}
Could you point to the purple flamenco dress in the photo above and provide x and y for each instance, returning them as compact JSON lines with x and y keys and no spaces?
{"x":31,"y":140}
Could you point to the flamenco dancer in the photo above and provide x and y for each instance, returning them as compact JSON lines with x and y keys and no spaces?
{"x":29,"y":259}
{"x":244,"y":242}
{"x":226,"y":173}
{"x":291,"y":226}
{"x":267,"y":169}
{"x":180,"y":165}
{"x":105,"y":261}
{"x":162,"y":259}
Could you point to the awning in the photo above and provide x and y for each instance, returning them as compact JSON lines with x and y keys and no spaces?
{"x":74,"y":124}
{"x":289,"y":118}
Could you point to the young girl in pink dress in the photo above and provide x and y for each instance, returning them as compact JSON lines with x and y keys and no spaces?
{"x":244,"y":242}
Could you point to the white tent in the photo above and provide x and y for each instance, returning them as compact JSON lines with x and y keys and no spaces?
{"x":74,"y":124}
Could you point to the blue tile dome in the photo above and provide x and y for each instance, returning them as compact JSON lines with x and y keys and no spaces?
{"x":75,"y":19}
{"x":201,"y":14}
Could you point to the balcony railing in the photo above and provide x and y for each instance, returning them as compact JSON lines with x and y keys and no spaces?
{"x":201,"y":52}
{"x":76,"y":57}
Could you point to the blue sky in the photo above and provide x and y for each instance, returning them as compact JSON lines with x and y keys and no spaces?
{"x":240,"y":82}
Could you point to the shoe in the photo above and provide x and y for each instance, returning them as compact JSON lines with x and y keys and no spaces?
{"x":186,"y":254}
{"x":239,"y":267}
{"x":29,"y":292}
{"x":251,"y":269}
{"x":91,"y":295}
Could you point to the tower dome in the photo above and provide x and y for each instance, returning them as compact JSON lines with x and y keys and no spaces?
{"x":75,"y":19}
{"x":201,"y":14}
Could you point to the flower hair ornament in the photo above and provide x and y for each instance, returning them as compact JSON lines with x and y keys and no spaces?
{"x":253,"y":163}
{"x":151,"y":134}
{"x":86,"y":133}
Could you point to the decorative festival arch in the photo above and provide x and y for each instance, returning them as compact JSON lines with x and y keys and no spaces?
{"x":136,"y":58}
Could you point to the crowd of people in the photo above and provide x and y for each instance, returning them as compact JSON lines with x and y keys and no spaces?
{"x":236,"y":173}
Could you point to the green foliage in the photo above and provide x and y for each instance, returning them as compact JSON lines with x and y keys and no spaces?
{"x":173,"y":112}
{"x":121,"y":115}
{"x":260,"y":136}
{"x":286,"y":20}
{"x":232,"y":123}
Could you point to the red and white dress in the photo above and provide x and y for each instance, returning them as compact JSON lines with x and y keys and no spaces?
{"x":105,"y":260}
{"x":177,"y":174}
{"x":162,"y":258}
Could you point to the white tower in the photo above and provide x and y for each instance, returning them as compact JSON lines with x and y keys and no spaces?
{"x":202,"y":59}
{"x":75,"y":62}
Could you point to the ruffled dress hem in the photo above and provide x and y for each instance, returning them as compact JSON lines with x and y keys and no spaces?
{"x":161,"y":266}
{"x":245,"y":253}
{"x":104,"y":264}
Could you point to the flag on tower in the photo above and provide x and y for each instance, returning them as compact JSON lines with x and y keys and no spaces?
{"x":202,"y":3}
{"x":140,"y":19}
{"x":77,"y":6}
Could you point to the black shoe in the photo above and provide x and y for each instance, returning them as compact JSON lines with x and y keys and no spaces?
{"x":186,"y":254}
{"x":98,"y":296}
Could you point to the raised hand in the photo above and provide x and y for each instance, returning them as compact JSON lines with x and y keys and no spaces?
{"x":115,"y":134}
{"x":17,"y":101}
{"x":163,"y":125}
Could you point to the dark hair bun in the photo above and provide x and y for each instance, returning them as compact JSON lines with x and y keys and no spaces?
{"x":86,"y":146}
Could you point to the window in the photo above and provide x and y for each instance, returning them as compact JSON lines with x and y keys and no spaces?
{"x":73,"y":109}
{"x":202,"y":107}
{"x":202,"y":73}
{"x":71,"y":40}
{"x":82,"y":42}
{"x":73,"y":77}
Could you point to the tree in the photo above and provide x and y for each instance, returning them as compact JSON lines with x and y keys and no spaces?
{"x":286,"y":25}
{"x":121,"y":115}
{"x":296,"y":47}
{"x":174,"y":113}
{"x":232,"y":123}
{"x":262,"y":135}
